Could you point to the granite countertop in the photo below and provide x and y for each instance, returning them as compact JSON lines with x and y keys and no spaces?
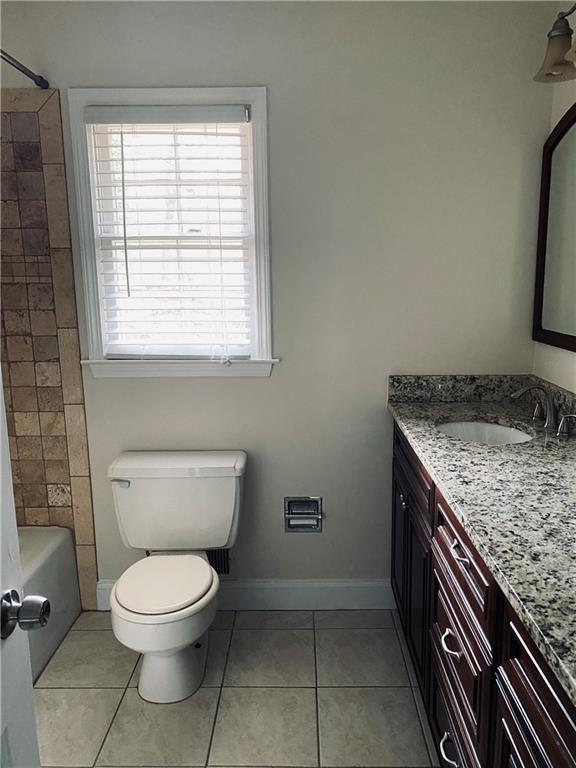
{"x":518,"y":505}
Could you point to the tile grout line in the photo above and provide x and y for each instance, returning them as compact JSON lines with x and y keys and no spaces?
{"x":116,"y":712}
{"x":268,"y":629}
{"x":220,"y":689}
{"x":215,"y":687}
{"x":79,"y":687}
{"x":316,"y":688}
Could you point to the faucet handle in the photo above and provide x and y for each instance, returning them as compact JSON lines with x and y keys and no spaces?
{"x":563,"y":426}
{"x":539,"y":413}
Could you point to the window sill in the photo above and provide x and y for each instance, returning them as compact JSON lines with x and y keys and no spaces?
{"x":139,"y":369}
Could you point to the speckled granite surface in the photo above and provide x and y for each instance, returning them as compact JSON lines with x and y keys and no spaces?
{"x":473,"y":389}
{"x":454,"y":388}
{"x":518,"y":505}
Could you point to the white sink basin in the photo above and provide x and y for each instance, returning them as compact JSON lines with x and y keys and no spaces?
{"x":483,"y":432}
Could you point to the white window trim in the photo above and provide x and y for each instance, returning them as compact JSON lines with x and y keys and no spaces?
{"x":78,"y":99}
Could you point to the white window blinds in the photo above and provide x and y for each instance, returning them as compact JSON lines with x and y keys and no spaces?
{"x":172,"y":201}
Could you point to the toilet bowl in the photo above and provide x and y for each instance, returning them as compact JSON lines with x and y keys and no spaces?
{"x":162,"y":607}
{"x":174,"y":505}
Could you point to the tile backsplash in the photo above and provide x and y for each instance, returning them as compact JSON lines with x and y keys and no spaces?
{"x":41,"y":373}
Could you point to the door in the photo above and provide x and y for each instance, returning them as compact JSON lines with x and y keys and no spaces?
{"x":399,"y":506}
{"x":19,"y":744}
{"x":418,"y":561}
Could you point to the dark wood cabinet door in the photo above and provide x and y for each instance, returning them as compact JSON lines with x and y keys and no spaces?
{"x":399,"y":523}
{"x":411,"y":540}
{"x":418,"y":591}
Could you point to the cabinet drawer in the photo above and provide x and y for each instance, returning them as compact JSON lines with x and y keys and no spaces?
{"x":470,"y":577}
{"x":452,"y":745}
{"x":466,"y":660}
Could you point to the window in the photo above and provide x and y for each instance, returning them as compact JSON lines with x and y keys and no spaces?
{"x":173,"y":214}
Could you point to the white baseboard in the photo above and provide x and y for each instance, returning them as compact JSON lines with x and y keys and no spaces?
{"x":103,"y":589}
{"x":289,"y":594}
{"x":294,"y":594}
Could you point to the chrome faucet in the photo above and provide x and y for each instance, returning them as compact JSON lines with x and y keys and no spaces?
{"x":548,"y":402}
{"x":563,"y":428}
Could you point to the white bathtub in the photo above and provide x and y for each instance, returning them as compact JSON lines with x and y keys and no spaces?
{"x":49,"y":569}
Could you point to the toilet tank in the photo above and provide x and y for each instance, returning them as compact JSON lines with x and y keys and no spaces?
{"x":178,"y":500}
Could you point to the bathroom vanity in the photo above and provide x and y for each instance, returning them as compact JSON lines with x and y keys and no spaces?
{"x":484,"y":574}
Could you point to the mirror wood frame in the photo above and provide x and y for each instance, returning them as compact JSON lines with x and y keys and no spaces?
{"x":553,"y":338}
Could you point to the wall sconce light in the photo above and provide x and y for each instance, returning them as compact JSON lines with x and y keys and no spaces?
{"x":558,"y":65}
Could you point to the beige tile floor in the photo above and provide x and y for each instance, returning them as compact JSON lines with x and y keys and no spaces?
{"x":282,"y":688}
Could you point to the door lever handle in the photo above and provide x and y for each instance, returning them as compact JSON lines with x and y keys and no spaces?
{"x":120,"y":482}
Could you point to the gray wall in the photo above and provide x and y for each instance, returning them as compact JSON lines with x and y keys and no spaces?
{"x":405,"y":145}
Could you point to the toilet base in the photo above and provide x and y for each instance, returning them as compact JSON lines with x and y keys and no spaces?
{"x":173,"y":676}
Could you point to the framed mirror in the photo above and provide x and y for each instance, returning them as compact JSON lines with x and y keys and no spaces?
{"x":555,"y":294}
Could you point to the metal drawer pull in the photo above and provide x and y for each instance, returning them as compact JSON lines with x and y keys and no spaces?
{"x":403,"y":502}
{"x":464,"y":560}
{"x":443,"y":754}
{"x":456,"y":654}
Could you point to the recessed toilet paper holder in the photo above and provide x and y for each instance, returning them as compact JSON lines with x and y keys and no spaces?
{"x":303,"y":514}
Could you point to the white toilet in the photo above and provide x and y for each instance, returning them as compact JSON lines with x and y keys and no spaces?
{"x":175,"y":505}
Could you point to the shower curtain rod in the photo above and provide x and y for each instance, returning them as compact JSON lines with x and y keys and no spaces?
{"x":40,"y":81}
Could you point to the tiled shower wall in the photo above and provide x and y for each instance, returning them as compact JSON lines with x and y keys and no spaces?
{"x":41,"y":374}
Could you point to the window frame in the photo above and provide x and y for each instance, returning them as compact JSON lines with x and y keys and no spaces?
{"x":255,"y":98}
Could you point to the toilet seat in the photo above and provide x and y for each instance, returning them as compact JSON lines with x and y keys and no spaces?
{"x":164,"y":584}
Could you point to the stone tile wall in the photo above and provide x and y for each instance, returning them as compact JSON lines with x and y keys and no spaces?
{"x":41,"y":374}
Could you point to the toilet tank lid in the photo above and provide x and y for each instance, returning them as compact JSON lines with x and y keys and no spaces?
{"x":138,"y":464}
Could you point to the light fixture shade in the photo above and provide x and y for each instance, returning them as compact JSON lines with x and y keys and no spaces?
{"x":556,"y":68}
